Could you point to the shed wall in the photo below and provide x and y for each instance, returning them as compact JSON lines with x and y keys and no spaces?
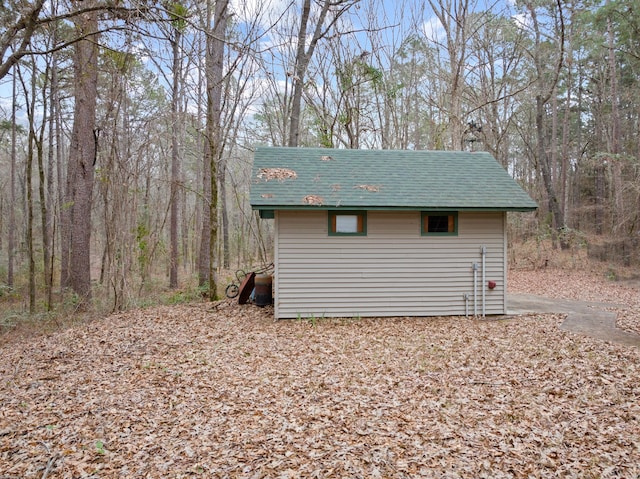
{"x":392,"y":271}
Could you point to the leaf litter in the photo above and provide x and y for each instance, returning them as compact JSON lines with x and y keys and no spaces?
{"x":280,"y":174}
{"x":624,"y":297}
{"x":197,"y":391}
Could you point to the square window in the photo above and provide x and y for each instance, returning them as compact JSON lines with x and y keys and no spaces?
{"x":347,"y":223}
{"x":439,"y":223}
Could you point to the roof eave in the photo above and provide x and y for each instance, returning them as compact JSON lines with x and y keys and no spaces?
{"x":392,"y":208}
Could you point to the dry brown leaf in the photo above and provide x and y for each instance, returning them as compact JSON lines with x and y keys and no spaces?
{"x":371,"y":188}
{"x":624,"y":297}
{"x":314,"y":200}
{"x":224,"y":391}
{"x":281,"y":174}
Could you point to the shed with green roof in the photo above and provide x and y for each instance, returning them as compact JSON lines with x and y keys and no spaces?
{"x":386,"y":232}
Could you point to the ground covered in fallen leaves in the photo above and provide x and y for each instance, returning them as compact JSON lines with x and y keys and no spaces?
{"x":622,"y":296}
{"x":197,"y":391}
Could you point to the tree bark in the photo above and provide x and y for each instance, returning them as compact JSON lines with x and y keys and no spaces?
{"x":453,"y":16}
{"x":303,"y":56}
{"x":47,"y":223}
{"x":29,"y":235}
{"x":224,"y":211}
{"x":34,"y":147}
{"x":44,"y":212}
{"x":175,"y":162}
{"x":82,"y":156}
{"x":17,"y":36}
{"x":31,"y":144}
{"x":214,"y":75}
{"x":302,"y":61}
{"x":616,"y":169}
{"x":545,"y":169}
{"x":564,"y":160}
{"x":205,"y":236}
{"x":544,"y":91}
{"x":12,"y":207}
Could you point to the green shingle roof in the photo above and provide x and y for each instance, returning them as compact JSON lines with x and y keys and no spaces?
{"x":294,"y":178}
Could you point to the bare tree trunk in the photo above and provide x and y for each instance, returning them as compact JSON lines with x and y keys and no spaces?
{"x":202,"y":212}
{"x":82,"y":155}
{"x":225,"y":212}
{"x":205,"y":237}
{"x":29,"y":236}
{"x":214,"y":75}
{"x":303,"y":56}
{"x":616,"y":168}
{"x":544,"y":92}
{"x":175,"y":164}
{"x":32,"y":143}
{"x":64,"y":210}
{"x":12,"y":207}
{"x":553,"y":143}
{"x":599,"y":206}
{"x":564,"y":161}
{"x":302,"y":61}
{"x":47,"y":224}
{"x":543,"y":160}
{"x":44,"y":218}
{"x":454,"y":17}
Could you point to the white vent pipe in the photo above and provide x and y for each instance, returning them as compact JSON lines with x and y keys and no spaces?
{"x":483,"y":251}
{"x":475,"y":289}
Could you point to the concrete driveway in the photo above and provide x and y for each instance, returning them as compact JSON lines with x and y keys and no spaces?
{"x":583,"y":317}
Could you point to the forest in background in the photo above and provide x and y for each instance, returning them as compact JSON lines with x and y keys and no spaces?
{"x":127,"y":127}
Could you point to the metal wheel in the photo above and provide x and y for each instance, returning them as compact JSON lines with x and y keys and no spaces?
{"x":232,"y":290}
{"x":240,"y":275}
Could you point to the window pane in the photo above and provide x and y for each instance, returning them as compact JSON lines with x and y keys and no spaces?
{"x":347,"y":224}
{"x":438,"y":224}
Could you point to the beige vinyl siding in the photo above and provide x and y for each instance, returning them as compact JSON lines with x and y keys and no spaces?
{"x":392,"y":271}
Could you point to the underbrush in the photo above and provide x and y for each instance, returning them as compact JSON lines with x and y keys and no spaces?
{"x":536,"y":253}
{"x":66,"y":309}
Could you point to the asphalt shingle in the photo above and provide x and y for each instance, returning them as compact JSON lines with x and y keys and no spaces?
{"x":288,"y":178}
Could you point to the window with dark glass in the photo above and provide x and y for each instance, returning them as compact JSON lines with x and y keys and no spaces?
{"x":439,"y":223}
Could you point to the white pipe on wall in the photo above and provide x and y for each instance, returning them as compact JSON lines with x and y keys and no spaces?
{"x":483,"y":251}
{"x":475,"y":289}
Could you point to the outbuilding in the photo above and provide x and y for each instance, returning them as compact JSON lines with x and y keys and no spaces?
{"x":386,"y":232}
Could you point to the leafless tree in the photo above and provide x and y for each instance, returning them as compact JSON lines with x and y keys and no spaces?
{"x":545,"y":83}
{"x":329,"y":13}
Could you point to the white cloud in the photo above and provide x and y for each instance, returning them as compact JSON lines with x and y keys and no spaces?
{"x":141,"y":52}
{"x":264,"y":12}
{"x":522,"y":20}
{"x":433,"y":29}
